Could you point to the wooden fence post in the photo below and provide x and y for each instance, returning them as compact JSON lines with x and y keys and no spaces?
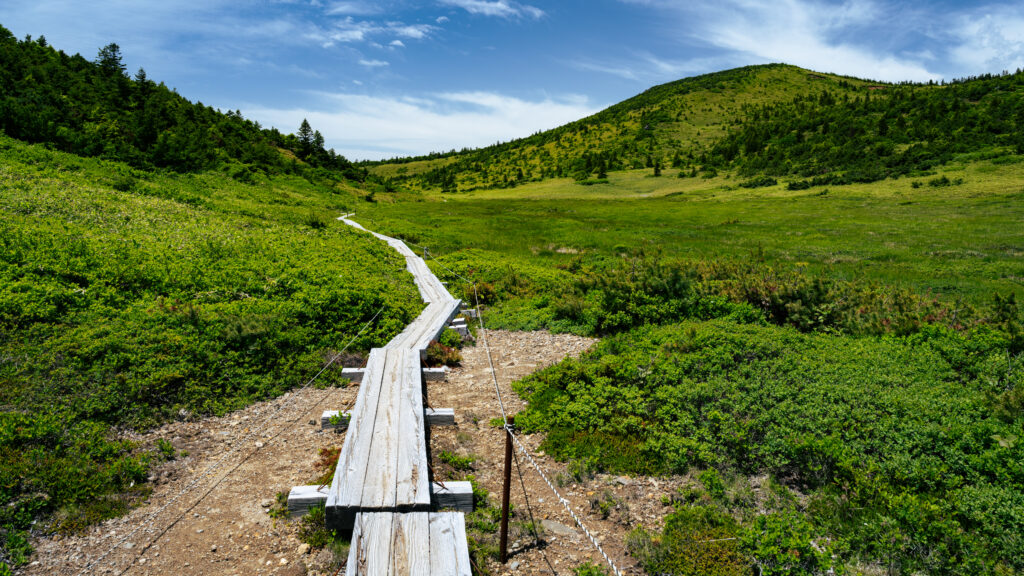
{"x":505,"y":491}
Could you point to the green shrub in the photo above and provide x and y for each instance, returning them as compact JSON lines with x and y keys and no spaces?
{"x":697,"y":541}
{"x":451,"y":339}
{"x":784,"y":545}
{"x":313,"y":528}
{"x":458,"y":463}
{"x":440,"y":355}
{"x":589,"y":569}
{"x":888,"y":436}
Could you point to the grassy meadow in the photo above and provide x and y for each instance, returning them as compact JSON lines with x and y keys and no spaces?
{"x":958,"y":242}
{"x":859,"y":346}
{"x":131,"y":297}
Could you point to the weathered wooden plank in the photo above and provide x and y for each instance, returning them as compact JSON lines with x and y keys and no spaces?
{"x":350,"y":473}
{"x":457,"y":495}
{"x":435,"y":374}
{"x":342,"y":419}
{"x":449,"y":551}
{"x":378,"y":491}
{"x":432,"y":417}
{"x":413,"y":485}
{"x":303,"y":498}
{"x":370,"y":552}
{"x":410,"y":550}
{"x":439,"y":416}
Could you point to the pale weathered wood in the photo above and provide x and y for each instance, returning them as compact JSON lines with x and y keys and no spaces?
{"x":328,"y":415}
{"x":440,"y":416}
{"x":410,"y":550}
{"x":303,"y":498}
{"x":378,"y":491}
{"x":435,"y":374}
{"x":457,"y":495}
{"x":370,"y":552}
{"x":350,"y":473}
{"x":449,"y":551}
{"x":413,"y":482}
{"x":383,"y":466}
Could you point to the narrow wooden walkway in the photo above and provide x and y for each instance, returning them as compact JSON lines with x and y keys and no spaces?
{"x":381,"y":488}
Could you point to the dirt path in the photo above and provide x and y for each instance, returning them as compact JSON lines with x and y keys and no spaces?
{"x":222,"y":527}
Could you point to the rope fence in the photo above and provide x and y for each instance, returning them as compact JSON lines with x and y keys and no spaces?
{"x":510,"y":429}
{"x":255,"y":432}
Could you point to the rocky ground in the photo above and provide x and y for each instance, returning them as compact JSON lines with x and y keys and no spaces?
{"x":209,"y":510}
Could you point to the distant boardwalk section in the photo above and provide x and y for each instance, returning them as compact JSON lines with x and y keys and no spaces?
{"x":381,"y":489}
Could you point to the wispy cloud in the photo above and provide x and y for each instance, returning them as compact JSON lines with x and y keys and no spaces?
{"x":373,"y":63}
{"x":349,"y":30}
{"x":356,"y":8}
{"x":992,"y":41}
{"x":498,"y":8}
{"x":370,"y":127}
{"x":848,"y":37}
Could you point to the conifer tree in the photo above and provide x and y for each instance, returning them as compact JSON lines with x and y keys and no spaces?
{"x":305,"y":139}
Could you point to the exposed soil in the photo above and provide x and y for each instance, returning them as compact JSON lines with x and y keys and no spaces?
{"x":222,"y":526}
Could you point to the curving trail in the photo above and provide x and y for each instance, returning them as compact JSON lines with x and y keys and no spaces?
{"x":381,"y":488}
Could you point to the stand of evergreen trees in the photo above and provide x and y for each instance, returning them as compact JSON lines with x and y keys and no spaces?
{"x":94,"y":108}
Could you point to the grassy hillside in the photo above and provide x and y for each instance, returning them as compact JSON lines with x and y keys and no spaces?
{"x":129,"y":297}
{"x":93,"y":108}
{"x":838,"y":362}
{"x":772,"y":120}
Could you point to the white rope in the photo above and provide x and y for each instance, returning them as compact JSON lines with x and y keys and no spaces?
{"x":490,"y":361}
{"x":88,"y":569}
{"x":564,"y":502}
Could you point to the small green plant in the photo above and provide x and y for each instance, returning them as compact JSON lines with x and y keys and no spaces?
{"x":166,"y":449}
{"x":340,"y":420}
{"x":713,"y":483}
{"x":313,"y":528}
{"x":589,"y":569}
{"x":459,"y":463}
{"x":582,"y":469}
{"x":440,"y":355}
{"x":279,"y":509}
{"x":451,"y":339}
{"x":603,"y":504}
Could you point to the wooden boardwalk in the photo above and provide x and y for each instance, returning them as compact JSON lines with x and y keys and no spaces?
{"x":381,"y":488}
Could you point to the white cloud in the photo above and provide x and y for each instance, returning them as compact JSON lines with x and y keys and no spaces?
{"x":397,"y":44}
{"x":353,"y":8}
{"x":414,"y":31}
{"x":442,"y":19}
{"x":499,"y":8}
{"x":373,"y":63}
{"x":809,"y":33}
{"x":990,"y":42}
{"x":368,"y":127}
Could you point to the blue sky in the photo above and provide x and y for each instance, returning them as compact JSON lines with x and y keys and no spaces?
{"x":395,"y":77}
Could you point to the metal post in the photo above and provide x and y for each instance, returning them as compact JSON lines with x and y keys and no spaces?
{"x":505,"y":491}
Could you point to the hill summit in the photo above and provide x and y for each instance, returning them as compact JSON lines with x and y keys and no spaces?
{"x":764,"y":121}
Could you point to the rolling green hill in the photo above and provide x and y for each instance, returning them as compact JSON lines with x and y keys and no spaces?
{"x":813,"y":316}
{"x":772,"y":120}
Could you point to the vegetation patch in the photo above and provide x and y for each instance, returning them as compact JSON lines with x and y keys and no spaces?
{"x":904,"y":444}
